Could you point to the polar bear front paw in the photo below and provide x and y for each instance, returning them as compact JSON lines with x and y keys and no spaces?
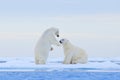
{"x":37,"y":62}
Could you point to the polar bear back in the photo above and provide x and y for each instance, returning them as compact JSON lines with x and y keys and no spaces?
{"x":79,"y":53}
{"x":76,"y":51}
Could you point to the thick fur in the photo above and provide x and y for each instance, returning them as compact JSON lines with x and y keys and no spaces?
{"x":43,"y":45}
{"x":73,"y":54}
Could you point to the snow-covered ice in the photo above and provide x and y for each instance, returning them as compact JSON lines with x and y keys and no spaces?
{"x":25,"y":69}
{"x":27,"y":64}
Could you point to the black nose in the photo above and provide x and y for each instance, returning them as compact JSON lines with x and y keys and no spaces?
{"x":60,"y":42}
{"x":57,"y":35}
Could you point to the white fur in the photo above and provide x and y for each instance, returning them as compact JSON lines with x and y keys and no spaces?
{"x":73,"y":54}
{"x":44,"y":45}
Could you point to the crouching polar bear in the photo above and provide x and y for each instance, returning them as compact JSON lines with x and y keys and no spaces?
{"x":44,"y":45}
{"x":73,"y":54}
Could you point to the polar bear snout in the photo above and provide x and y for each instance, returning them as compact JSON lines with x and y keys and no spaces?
{"x":60,"y":41}
{"x":63,"y":41}
{"x":57,"y":35}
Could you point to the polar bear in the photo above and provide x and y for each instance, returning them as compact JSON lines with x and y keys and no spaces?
{"x":44,"y":45}
{"x":73,"y":54}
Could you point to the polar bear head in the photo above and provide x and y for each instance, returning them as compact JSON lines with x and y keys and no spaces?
{"x":54,"y":31}
{"x":64,"y":41}
{"x":51,"y":34}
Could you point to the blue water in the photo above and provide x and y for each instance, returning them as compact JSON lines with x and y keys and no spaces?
{"x":59,"y":75}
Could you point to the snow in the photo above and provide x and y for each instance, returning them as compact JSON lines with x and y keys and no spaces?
{"x":25,"y":69}
{"x":27,"y":64}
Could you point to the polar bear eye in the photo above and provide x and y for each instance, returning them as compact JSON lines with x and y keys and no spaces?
{"x":57,"y":33}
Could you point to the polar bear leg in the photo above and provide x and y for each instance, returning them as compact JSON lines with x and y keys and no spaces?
{"x":67,"y":59}
{"x":83,"y":60}
{"x":39,"y":60}
{"x":74,"y":62}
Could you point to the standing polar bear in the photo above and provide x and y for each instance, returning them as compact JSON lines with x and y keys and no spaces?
{"x":43,"y":45}
{"x":73,"y":54}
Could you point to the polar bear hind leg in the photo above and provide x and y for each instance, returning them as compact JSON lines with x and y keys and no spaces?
{"x":83,"y":60}
{"x":39,"y":60}
{"x":74,"y":61}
